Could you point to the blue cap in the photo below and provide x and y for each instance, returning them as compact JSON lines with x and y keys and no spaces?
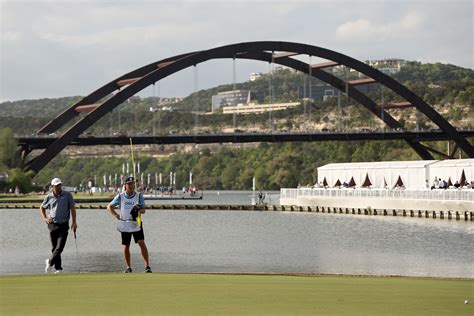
{"x":129,"y":180}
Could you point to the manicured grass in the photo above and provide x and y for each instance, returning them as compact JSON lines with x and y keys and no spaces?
{"x":204,"y":294}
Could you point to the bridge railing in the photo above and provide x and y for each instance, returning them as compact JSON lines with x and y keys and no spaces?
{"x":441,"y":195}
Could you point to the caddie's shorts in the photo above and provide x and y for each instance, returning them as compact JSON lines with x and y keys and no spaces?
{"x":137,"y":236}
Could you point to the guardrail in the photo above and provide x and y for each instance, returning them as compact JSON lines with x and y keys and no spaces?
{"x":442,"y":195}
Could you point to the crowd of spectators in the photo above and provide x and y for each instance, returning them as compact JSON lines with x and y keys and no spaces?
{"x":438,"y":183}
{"x":442,"y":184}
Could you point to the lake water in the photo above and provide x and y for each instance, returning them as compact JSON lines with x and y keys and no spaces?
{"x":244,"y":241}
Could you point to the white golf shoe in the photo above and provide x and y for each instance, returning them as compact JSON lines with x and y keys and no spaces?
{"x":47,"y":268}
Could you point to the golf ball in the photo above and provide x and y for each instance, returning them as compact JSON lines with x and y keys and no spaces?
{"x":466,"y":302}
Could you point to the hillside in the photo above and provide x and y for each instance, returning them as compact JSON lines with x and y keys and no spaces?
{"x":450,"y":89}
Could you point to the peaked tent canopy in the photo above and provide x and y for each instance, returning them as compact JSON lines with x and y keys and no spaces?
{"x":352,"y":183}
{"x":367,"y":182}
{"x":399,"y":183}
{"x":463,"y":178}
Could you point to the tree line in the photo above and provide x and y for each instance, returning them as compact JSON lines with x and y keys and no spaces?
{"x":273,"y":165}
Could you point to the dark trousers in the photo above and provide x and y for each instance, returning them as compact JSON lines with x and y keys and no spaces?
{"x":58,"y":235}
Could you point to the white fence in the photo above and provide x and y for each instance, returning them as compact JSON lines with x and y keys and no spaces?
{"x":441,"y":195}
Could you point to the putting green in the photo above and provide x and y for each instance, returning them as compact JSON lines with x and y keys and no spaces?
{"x":207,"y":294}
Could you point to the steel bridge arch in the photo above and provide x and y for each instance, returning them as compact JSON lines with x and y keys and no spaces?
{"x":140,"y":78}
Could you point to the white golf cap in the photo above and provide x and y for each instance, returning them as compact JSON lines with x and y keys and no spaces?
{"x":56,"y":181}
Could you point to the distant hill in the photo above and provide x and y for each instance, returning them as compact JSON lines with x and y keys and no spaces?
{"x":39,"y":108}
{"x":450,"y":89}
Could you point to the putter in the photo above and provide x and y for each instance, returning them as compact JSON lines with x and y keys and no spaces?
{"x":77,"y":252}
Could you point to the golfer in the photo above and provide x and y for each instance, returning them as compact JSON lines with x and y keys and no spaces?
{"x":132,"y":205}
{"x":60,"y":208}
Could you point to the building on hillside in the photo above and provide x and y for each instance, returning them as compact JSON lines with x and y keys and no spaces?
{"x":234,"y":97}
{"x":388,"y":66}
{"x":258,"y":108}
{"x":227,"y":98}
{"x":323,"y":91}
{"x":255,"y":75}
{"x":134,"y":99}
{"x":229,"y":101}
{"x":388,"y":62}
{"x":165,"y":103}
{"x":170,"y":100}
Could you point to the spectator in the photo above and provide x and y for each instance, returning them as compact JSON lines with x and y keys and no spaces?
{"x":443,"y":184}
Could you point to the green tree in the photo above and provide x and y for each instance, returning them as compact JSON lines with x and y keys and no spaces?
{"x":20,"y":179}
{"x":9,"y":154}
{"x":229,"y":176}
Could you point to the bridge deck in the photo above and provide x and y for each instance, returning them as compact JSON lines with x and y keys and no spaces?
{"x":43,"y":142}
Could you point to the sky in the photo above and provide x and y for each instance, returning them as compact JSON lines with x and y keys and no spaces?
{"x":55,"y":49}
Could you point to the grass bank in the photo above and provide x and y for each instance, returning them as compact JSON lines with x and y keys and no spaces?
{"x":34,"y":201}
{"x":206,"y":294}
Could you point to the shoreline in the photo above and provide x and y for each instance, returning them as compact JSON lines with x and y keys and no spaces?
{"x":440,"y":215}
{"x":265,"y":274}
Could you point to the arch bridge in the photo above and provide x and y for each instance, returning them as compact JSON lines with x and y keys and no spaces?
{"x":276,"y":52}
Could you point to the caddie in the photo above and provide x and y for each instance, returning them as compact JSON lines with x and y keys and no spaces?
{"x":131,"y":205}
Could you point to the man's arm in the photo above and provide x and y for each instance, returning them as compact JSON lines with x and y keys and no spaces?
{"x":111,"y":210}
{"x":141,"y":200}
{"x":111,"y":207}
{"x":72,"y":207}
{"x":46,"y":219}
{"x":73,"y":215}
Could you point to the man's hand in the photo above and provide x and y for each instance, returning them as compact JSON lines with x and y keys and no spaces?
{"x":47,"y":220}
{"x":74,"y":227}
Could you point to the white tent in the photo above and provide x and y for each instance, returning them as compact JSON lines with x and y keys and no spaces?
{"x":452,"y":170}
{"x":413,"y":174}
